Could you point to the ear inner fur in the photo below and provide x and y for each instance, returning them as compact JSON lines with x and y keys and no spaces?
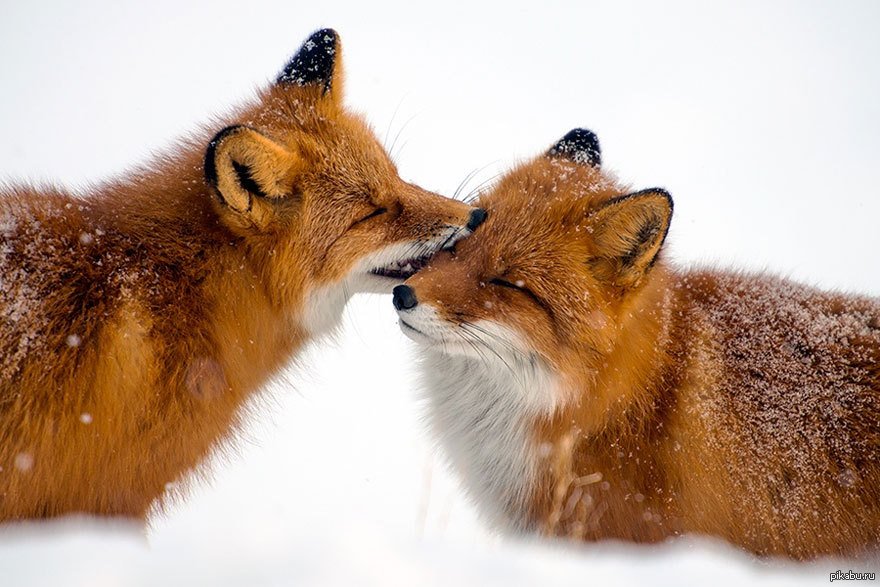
{"x":242,"y":164}
{"x":629,"y":232}
{"x":246,"y":179}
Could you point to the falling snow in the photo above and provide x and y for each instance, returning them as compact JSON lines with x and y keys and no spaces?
{"x":24,"y":462}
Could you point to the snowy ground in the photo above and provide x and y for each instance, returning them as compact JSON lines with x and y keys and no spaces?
{"x":762,"y":120}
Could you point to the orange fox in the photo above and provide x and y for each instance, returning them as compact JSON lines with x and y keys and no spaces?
{"x":583,"y":387}
{"x":137,"y":319}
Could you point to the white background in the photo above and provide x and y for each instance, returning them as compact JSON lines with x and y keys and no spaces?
{"x":761,"y":118}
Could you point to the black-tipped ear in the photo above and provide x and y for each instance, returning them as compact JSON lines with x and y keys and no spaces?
{"x":579,"y":145}
{"x":315,"y":61}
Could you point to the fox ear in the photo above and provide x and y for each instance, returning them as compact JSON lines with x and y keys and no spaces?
{"x":248,"y":170}
{"x":580,"y":146}
{"x":628,"y":233}
{"x":316,"y":63}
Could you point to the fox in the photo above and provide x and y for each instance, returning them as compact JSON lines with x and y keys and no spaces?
{"x":139,"y":317}
{"x":584,"y":387}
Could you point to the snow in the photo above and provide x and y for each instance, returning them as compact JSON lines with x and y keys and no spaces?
{"x":760,"y":119}
{"x":93,"y":554}
{"x":24,"y":461}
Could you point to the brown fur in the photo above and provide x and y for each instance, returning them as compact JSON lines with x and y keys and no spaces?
{"x":739,"y":406}
{"x":138,"y":318}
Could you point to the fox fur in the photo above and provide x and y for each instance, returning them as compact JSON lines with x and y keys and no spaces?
{"x":585,"y":387}
{"x":139,"y":317}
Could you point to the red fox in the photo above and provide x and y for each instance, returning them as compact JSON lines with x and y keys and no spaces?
{"x":137,"y":319}
{"x":584,"y":387}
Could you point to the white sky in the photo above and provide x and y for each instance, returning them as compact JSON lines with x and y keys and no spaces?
{"x":761,"y":118}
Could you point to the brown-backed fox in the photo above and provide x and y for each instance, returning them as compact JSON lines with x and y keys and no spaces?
{"x":584,"y":387}
{"x":137,"y":319}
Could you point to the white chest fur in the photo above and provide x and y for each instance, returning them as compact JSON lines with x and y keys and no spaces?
{"x":482,"y":412}
{"x":322,"y":312}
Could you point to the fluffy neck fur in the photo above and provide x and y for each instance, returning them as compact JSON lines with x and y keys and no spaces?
{"x":482,"y":411}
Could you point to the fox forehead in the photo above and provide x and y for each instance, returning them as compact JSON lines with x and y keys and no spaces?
{"x":556,"y":190}
{"x":339,"y":142}
{"x":537,"y":213}
{"x":535,"y":236}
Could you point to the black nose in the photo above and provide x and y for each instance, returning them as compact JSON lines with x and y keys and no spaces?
{"x":477,"y":217}
{"x":404,"y":297}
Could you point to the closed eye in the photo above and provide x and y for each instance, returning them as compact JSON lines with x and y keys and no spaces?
{"x":374,"y":213}
{"x":521,"y":288}
{"x":502,"y":283}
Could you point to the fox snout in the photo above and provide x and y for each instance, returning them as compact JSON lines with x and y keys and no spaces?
{"x":404,"y":297}
{"x":476,"y":218}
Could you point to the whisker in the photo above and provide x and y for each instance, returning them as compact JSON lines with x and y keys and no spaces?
{"x":477,"y":350}
{"x":475,"y":193}
{"x":390,"y":124}
{"x":400,"y":150}
{"x":465,"y":181}
{"x":507,"y":344}
{"x":397,"y":136}
{"x":465,"y":330}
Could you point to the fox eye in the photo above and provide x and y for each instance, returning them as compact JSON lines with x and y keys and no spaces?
{"x":376,"y":212}
{"x":519,"y":285}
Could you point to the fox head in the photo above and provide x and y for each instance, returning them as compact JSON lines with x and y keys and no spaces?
{"x":554,"y":277}
{"x":308,"y":190}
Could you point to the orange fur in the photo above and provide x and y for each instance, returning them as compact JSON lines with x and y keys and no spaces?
{"x":138,"y":318}
{"x":739,"y":406}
